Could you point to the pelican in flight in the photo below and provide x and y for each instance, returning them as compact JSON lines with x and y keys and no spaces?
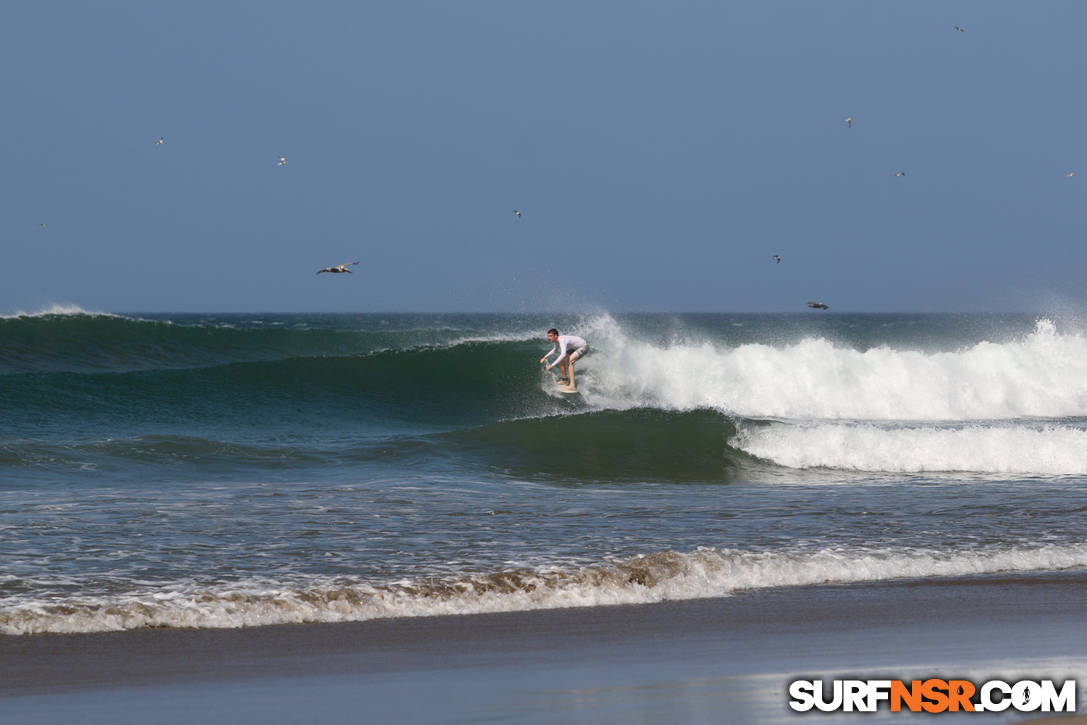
{"x":776,"y":258}
{"x":818,"y":306}
{"x":960,"y":28}
{"x":161,"y":141}
{"x":849,"y":122}
{"x":900,"y":173}
{"x":339,"y":268}
{"x":517,"y":213}
{"x":282,"y":161}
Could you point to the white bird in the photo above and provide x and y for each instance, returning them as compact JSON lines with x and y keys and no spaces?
{"x":517,"y":213}
{"x":339,"y":268}
{"x":1070,"y":174}
{"x":161,"y":141}
{"x":849,"y":122}
{"x":282,"y":161}
{"x":900,"y":173}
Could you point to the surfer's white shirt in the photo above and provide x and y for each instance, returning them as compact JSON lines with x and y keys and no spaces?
{"x":566,"y":345}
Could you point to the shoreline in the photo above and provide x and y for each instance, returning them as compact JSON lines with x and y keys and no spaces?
{"x":597,"y":664}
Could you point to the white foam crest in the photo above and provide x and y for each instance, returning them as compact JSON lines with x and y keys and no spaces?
{"x":1045,"y":450}
{"x":1043,"y":375}
{"x":667,"y":575}
{"x":57,"y":309}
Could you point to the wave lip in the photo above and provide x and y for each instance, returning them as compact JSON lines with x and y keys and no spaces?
{"x":706,"y":572}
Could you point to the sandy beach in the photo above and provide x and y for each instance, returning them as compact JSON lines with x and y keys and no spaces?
{"x":724,"y":660}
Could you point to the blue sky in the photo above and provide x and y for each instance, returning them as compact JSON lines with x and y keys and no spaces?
{"x":660,"y":153}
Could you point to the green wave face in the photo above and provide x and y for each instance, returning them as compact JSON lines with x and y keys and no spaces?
{"x":85,"y":343}
{"x":461,"y":385}
{"x":633,"y":445}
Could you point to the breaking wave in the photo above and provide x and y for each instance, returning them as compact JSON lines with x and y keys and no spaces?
{"x":1042,"y":374}
{"x":667,"y":575}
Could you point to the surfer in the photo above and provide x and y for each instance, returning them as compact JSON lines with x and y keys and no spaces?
{"x":570,"y":348}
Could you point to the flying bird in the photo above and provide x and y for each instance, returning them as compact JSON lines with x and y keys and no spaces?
{"x":42,"y":225}
{"x":849,"y":122}
{"x":776,"y":258}
{"x":282,"y":161}
{"x":517,"y":213}
{"x":339,"y":268}
{"x":818,"y":306}
{"x":960,"y":28}
{"x":900,"y":173}
{"x":1070,"y":174}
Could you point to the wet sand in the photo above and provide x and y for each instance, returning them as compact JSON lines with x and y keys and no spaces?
{"x":725,"y":660}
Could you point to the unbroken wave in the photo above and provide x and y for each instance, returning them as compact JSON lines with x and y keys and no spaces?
{"x":644,"y":444}
{"x":657,"y":577}
{"x":441,"y":386}
{"x":595,"y":446}
{"x":70,"y":339}
{"x":77,"y":341}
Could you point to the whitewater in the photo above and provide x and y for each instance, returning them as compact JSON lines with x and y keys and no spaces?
{"x":1041,"y":375}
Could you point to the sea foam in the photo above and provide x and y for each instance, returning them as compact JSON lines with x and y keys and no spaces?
{"x":1023,"y":449}
{"x":666,"y":575}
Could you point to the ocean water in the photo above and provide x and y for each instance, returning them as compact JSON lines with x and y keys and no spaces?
{"x":175,"y":470}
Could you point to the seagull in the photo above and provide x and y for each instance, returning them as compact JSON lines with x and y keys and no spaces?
{"x":900,"y":173}
{"x":1070,"y":174}
{"x":161,"y":141}
{"x":339,"y":268}
{"x":960,"y":28}
{"x":849,"y":122}
{"x":517,"y":213}
{"x":818,"y":306}
{"x":776,"y":258}
{"x":42,"y":225}
{"x":282,"y":161}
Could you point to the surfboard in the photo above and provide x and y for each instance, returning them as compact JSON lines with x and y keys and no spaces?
{"x":567,"y":389}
